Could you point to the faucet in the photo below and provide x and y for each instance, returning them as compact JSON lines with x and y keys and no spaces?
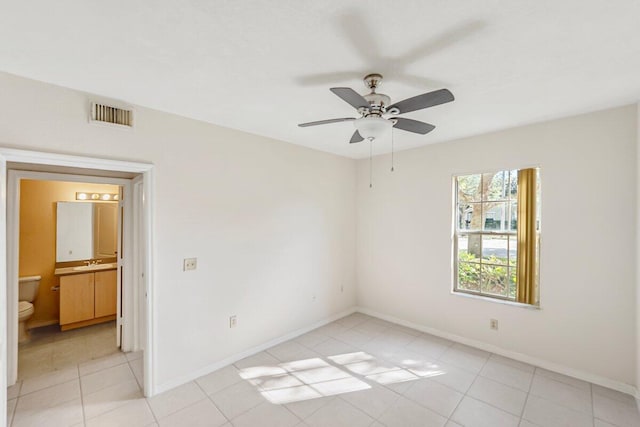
{"x":93,"y":262}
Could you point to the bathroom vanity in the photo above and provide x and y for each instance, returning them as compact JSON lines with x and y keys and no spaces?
{"x":88,"y":295}
{"x":86,"y":232}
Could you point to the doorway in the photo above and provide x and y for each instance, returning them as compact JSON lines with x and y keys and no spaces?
{"x":134,"y":259}
{"x":70,"y":295}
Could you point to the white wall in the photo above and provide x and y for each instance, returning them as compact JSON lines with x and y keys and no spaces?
{"x":586,"y":322}
{"x":272,"y":224}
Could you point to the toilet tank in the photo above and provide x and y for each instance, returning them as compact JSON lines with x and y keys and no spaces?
{"x":28,"y":288}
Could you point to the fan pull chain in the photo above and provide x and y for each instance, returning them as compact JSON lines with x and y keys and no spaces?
{"x":392,"y":160}
{"x":371,"y":163}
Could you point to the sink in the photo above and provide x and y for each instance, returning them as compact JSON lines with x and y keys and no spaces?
{"x":95,"y":267}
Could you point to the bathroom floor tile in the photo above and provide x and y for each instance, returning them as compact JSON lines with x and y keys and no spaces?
{"x":96,"y":365}
{"x":50,"y":396}
{"x":49,"y":379}
{"x":11,"y":406}
{"x":64,"y":414}
{"x":14,"y":390}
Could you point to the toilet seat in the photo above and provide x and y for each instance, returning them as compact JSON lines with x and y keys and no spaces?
{"x":25,"y":308}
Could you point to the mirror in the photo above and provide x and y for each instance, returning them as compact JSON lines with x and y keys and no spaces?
{"x":86,"y":230}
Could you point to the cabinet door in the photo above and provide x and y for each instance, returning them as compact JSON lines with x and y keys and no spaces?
{"x":76,"y":298}
{"x":105,"y":284}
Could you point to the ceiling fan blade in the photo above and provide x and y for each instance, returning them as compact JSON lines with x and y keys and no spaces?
{"x":425,"y":100}
{"x":351,"y":96}
{"x":356,"y":138}
{"x":414,"y":126}
{"x":325,"y":122}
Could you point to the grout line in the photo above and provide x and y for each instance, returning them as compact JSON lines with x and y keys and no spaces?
{"x":593,"y":409}
{"x":210,"y":400}
{"x":526,"y":399}
{"x":84,"y":415}
{"x":13,"y":415}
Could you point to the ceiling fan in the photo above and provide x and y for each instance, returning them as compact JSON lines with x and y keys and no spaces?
{"x":374,"y":109}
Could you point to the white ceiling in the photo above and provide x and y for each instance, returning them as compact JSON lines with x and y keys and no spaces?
{"x":263,"y":67}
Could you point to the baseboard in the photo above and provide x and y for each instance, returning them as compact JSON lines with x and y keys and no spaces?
{"x":249,"y":352}
{"x":545,"y":364}
{"x":41,"y":323}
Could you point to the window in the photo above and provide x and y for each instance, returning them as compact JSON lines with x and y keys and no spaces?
{"x":497,"y":234}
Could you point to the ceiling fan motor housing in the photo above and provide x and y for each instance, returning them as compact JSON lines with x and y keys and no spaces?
{"x":378,"y":103}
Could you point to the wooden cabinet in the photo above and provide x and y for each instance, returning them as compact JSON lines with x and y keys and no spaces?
{"x":77,"y":298}
{"x":105,"y":293}
{"x":87,"y":298}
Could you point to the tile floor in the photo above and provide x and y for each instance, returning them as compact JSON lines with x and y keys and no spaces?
{"x":50,"y":349}
{"x":357,"y":371}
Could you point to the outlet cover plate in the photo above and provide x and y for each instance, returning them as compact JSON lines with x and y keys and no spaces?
{"x":190,"y":264}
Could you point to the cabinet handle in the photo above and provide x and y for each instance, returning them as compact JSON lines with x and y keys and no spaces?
{"x":55,"y":288}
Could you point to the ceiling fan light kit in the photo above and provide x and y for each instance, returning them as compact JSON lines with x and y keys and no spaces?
{"x":374,"y":109}
{"x":372,"y":127}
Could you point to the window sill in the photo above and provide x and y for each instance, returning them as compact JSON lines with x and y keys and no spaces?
{"x":496,"y":300}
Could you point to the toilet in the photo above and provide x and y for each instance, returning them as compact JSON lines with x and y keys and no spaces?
{"x":27,"y":293}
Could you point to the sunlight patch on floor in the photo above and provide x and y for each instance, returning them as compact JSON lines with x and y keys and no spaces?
{"x":313,"y":378}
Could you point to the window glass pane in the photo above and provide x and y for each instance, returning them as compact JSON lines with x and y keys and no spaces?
{"x":512,"y":282}
{"x":494,"y":249}
{"x":469,"y":216}
{"x":469,"y":276}
{"x":513,"y":263}
{"x":469,"y":188}
{"x":494,"y":280}
{"x":513,"y":250}
{"x":497,"y":186}
{"x":513,"y":215}
{"x":465,"y":254}
{"x":513,"y":185}
{"x":495,"y":216}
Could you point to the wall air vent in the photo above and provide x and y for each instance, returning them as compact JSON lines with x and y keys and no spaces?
{"x":107,"y":114}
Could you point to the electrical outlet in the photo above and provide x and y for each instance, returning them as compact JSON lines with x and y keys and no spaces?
{"x":493,"y":324}
{"x":233,"y":321}
{"x":190,"y":264}
{"x":341,"y":288}
{"x":313,"y":298}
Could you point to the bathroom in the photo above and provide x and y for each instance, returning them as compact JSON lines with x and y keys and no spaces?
{"x":68,"y":274}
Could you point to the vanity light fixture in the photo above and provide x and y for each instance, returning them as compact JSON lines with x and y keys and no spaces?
{"x":106,"y":197}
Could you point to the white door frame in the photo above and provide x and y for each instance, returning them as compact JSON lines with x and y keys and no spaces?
{"x":8,"y":155}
